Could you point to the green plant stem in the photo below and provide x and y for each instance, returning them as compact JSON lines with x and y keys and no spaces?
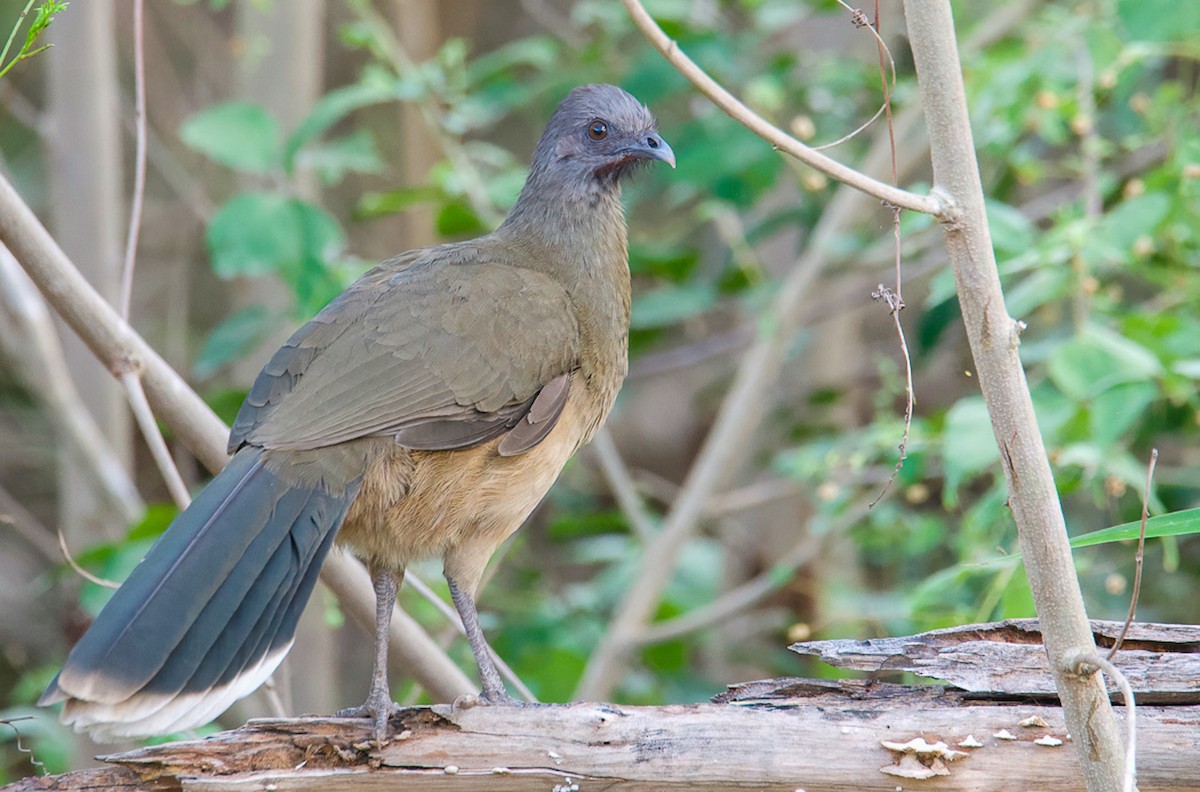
{"x":12,"y":35}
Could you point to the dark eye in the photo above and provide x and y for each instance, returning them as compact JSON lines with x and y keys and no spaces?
{"x":598,"y":130}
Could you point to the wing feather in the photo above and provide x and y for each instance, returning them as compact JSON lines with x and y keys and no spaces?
{"x":443,"y":351}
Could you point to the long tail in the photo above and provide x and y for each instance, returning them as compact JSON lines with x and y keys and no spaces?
{"x":210,"y":612}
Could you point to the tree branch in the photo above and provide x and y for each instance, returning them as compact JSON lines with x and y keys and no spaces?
{"x":994,"y":340}
{"x":31,"y":344}
{"x":774,"y":734}
{"x":928,"y":204}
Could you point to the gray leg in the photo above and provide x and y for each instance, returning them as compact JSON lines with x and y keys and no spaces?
{"x":493,"y":687}
{"x":379,"y":705}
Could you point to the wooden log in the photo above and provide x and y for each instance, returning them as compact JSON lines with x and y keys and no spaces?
{"x":784,"y":734}
{"x":1161,"y":661}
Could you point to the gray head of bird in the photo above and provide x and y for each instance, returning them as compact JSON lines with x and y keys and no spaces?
{"x":598,"y":134}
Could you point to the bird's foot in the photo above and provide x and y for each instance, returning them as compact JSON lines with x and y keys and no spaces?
{"x":379,"y":710}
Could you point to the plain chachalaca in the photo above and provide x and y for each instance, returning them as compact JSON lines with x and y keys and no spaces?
{"x":424,"y":412}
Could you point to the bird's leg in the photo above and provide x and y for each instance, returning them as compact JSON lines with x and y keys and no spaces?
{"x":379,"y":705}
{"x":493,"y":688}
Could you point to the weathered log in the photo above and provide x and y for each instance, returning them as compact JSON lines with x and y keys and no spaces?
{"x":1161,"y":661}
{"x":784,"y":734}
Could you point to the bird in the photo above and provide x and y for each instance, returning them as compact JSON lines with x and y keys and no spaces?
{"x":424,"y":412}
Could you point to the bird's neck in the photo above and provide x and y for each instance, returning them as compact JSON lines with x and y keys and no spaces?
{"x":578,"y":237}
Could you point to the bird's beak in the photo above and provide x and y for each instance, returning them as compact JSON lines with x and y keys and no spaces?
{"x":652,"y":146}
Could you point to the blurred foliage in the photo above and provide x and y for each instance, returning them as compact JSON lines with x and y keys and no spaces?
{"x":1086,"y":120}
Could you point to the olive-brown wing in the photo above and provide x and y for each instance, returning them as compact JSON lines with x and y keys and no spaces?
{"x":440,"y":355}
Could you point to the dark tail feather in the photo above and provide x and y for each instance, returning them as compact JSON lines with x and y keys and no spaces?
{"x":210,"y":612}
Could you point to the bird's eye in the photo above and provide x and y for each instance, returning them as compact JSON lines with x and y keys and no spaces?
{"x":597,"y":130}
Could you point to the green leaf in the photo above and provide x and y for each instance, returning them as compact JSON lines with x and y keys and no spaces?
{"x":969,"y":445}
{"x":353,"y":153}
{"x":233,"y":338}
{"x":1188,"y":368}
{"x":1038,"y":288}
{"x":672,"y":304}
{"x":1118,"y":408}
{"x":1012,"y":232}
{"x":1159,"y":20}
{"x":373,"y":205}
{"x":1117,"y":231}
{"x":458,"y":219}
{"x":242,"y":135}
{"x":1098,"y":359}
{"x":42,"y":19}
{"x":1180,"y":523}
{"x":334,"y":106}
{"x":260,"y":233}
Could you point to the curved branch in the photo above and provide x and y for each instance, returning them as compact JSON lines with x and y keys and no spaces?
{"x":928,"y":204}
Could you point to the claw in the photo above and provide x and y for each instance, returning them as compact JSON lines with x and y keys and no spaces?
{"x":378,"y":713}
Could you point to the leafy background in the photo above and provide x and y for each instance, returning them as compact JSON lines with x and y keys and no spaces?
{"x":1085,"y":116}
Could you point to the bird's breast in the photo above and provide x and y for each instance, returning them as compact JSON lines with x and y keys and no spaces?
{"x":418,"y":504}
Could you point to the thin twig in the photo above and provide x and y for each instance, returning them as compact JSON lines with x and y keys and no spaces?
{"x":16,"y":27}
{"x":1086,"y":665}
{"x":83,"y":573}
{"x":928,"y":204}
{"x":139,"y":170}
{"x":274,"y":700}
{"x":21,"y":746}
{"x":852,"y":134}
{"x":154,"y":439}
{"x":860,"y":21}
{"x":129,"y":378}
{"x":621,"y":483}
{"x":12,"y":513}
{"x":451,"y":616}
{"x":34,"y":351}
{"x":1138,"y":558}
{"x":895,"y":301}
{"x":895,"y":305}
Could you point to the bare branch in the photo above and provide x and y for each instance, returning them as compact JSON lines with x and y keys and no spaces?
{"x":621,"y":483}
{"x":139,"y":172}
{"x":894,"y":300}
{"x":1139,"y":557}
{"x":31,"y":344}
{"x":729,"y":440}
{"x":928,"y":204}
{"x":83,"y":573}
{"x":1083,"y":666}
{"x":12,"y":513}
{"x":895,"y":305}
{"x":33,"y":760}
{"x":129,"y":377}
{"x":144,"y":416}
{"x":994,"y":339}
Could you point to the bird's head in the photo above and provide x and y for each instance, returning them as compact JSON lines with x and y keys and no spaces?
{"x":598,"y":134}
